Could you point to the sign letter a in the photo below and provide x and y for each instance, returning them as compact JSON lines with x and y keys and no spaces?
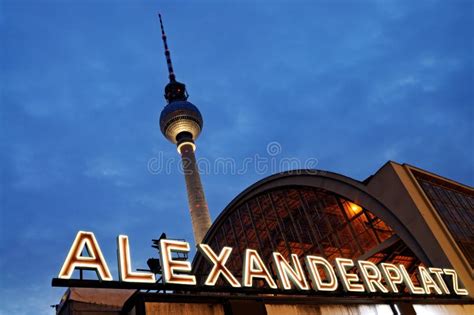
{"x":95,"y":260}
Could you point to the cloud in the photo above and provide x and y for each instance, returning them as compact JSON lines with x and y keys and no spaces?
{"x":105,"y":167}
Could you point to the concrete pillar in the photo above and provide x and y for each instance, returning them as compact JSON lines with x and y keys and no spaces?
{"x":197,"y":201}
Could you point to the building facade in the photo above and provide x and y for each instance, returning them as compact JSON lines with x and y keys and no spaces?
{"x":400,"y":215}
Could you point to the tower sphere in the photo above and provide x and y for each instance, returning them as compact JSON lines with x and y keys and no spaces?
{"x":179,"y":120}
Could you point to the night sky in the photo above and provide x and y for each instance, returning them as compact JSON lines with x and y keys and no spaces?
{"x":342,"y":86}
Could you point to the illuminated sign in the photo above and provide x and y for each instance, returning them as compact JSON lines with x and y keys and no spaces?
{"x":352,"y":276}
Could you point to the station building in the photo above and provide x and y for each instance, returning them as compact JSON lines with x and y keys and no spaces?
{"x":401,"y":214}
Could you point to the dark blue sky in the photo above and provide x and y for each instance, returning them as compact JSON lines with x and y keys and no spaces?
{"x":350,"y":84}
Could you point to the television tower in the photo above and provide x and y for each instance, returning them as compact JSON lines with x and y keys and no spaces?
{"x":181,"y":123}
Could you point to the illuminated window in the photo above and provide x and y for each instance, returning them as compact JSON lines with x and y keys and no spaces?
{"x":306,"y":221}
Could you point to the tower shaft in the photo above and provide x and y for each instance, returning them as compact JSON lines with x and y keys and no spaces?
{"x":197,"y":201}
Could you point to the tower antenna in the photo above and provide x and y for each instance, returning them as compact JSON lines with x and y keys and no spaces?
{"x":167,"y":52}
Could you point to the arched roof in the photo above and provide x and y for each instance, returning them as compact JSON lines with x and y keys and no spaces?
{"x":348,"y":188}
